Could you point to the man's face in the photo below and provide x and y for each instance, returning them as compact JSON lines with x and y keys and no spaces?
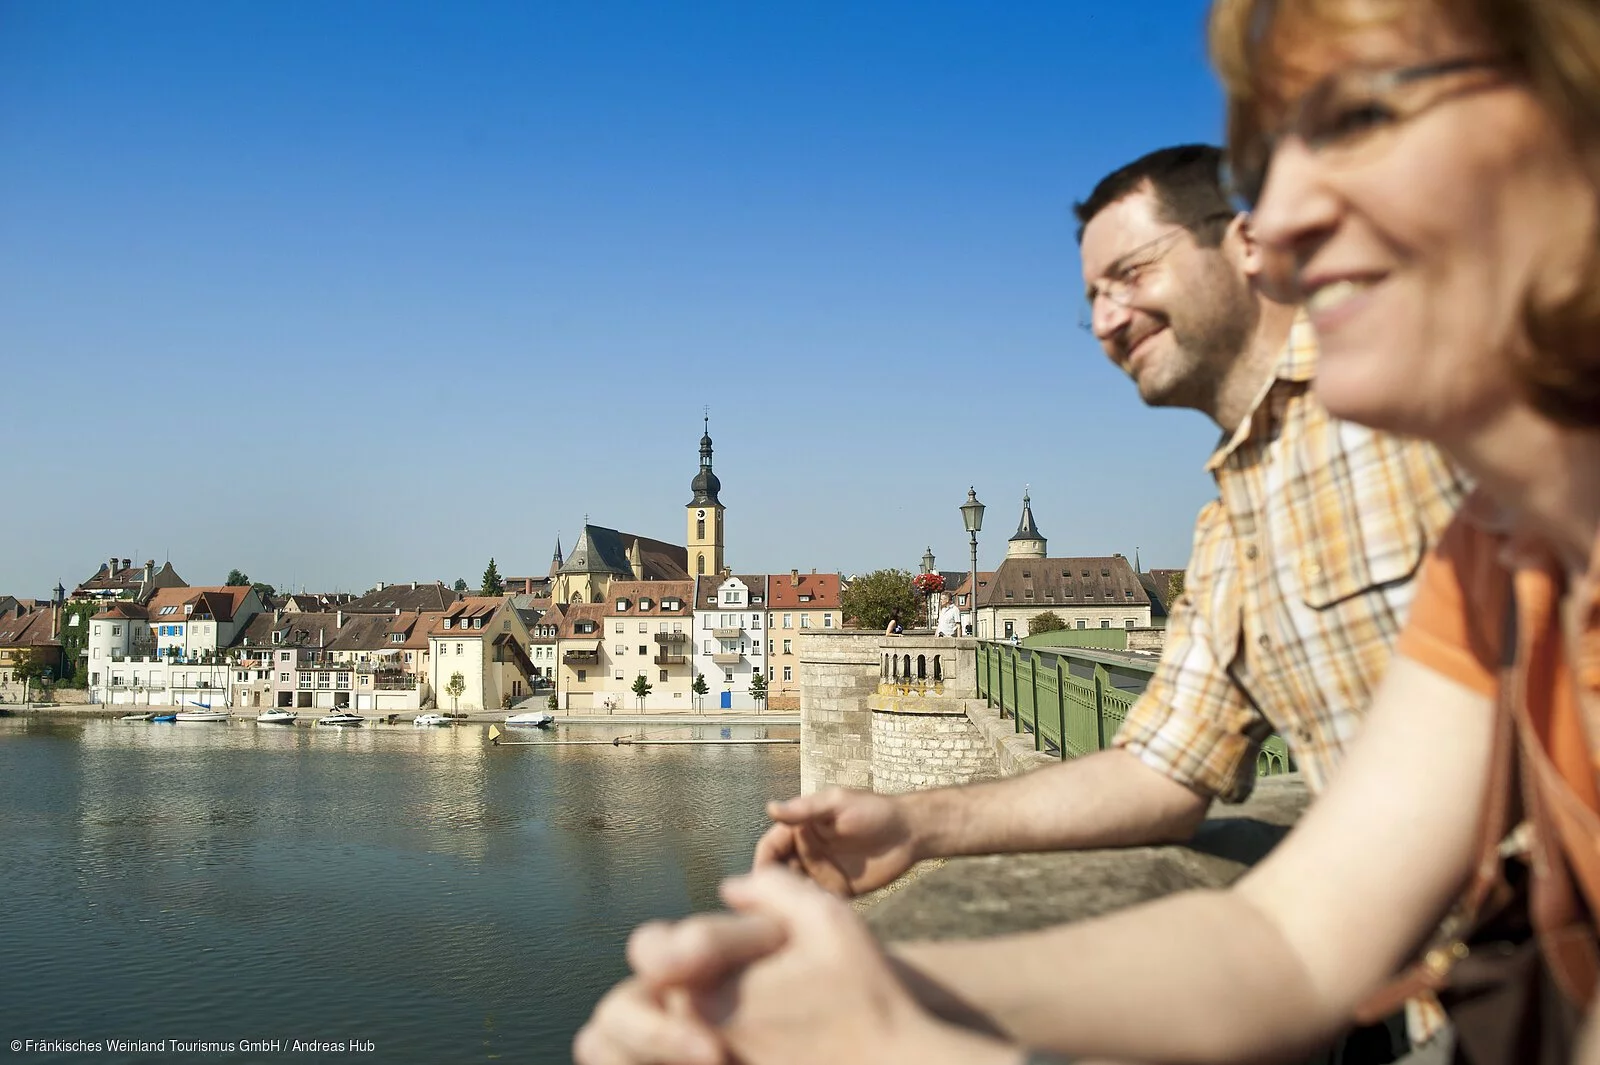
{"x":1170,"y":314}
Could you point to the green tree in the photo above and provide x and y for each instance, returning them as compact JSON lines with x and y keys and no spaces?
{"x":699,"y":688}
{"x":457,"y":685}
{"x":461,"y":584}
{"x":28,"y":666}
{"x":492,"y":584}
{"x":758,"y":688}
{"x":871,"y":600}
{"x":237,"y":578}
{"x":552,"y":704}
{"x":264,"y":590}
{"x":1174,"y":588}
{"x":641,"y":688}
{"x":74,"y":640}
{"x":1048,"y":621}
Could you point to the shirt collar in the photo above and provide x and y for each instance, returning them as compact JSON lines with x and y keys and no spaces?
{"x":1296,"y":364}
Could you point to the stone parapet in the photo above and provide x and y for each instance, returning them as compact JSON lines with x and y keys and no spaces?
{"x":1000,"y":894}
{"x":921,"y":738}
{"x":838,"y":674}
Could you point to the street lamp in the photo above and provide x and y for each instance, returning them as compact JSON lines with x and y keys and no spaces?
{"x":927,"y":567}
{"x":972,"y":518}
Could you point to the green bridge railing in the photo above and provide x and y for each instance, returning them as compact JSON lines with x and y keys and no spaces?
{"x":1073,"y":700}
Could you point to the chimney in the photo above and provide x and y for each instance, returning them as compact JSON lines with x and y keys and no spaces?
{"x":338,"y":619}
{"x":794,"y":578}
{"x":149,"y":570}
{"x":111,"y":567}
{"x":277,"y":613}
{"x":127,"y":563}
{"x":413,"y":586}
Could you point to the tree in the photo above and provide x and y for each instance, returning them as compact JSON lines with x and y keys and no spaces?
{"x":758,"y":688}
{"x":264,"y":590}
{"x":28,"y":666}
{"x":641,"y":688}
{"x":874,"y":598}
{"x":1049,"y":621}
{"x":74,"y":641}
{"x":461,"y":584}
{"x":237,"y":578}
{"x":492,"y":584}
{"x":457,"y":685}
{"x":552,"y":704}
{"x":699,"y":688}
{"x":1174,"y":588}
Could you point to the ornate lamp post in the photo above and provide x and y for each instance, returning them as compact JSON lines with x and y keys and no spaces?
{"x":927,"y":567}
{"x":972,"y":518}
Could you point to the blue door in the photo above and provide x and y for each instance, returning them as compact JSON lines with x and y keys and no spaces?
{"x":727,"y":700}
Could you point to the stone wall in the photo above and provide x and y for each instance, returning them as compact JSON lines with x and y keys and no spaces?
{"x":838,"y":674}
{"x":924,"y":742}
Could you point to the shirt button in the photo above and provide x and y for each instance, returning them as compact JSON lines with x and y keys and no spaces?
{"x":1303,"y":734}
{"x":1264,"y":642}
{"x":1250,"y":552}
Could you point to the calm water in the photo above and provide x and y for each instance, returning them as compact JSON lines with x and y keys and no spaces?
{"x":418,"y":889}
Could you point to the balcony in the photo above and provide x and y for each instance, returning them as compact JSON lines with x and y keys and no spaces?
{"x":672,"y":637}
{"x":665,"y":659}
{"x":581,"y":658}
{"x":728,"y":634}
{"x":727,"y":658}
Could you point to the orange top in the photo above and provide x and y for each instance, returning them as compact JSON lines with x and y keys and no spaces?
{"x":1457,"y":629}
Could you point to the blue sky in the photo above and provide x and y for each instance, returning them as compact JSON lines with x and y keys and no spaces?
{"x":341,"y":293}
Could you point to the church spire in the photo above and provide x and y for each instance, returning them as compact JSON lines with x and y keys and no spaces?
{"x":1027,"y":541}
{"x":705,"y":485}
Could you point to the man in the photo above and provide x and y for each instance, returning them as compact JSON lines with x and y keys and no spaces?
{"x":949,"y":618}
{"x":1298,"y":582}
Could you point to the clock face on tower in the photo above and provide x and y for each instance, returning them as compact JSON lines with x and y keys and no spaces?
{"x":699,"y":513}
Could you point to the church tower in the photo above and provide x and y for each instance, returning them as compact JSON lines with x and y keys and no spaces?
{"x":705,"y":515}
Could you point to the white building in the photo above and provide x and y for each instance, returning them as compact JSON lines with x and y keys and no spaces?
{"x":730,"y":638}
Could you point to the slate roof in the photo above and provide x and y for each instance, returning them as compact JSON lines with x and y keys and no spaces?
{"x":1156,"y":582}
{"x":471,"y":608}
{"x":655,"y":591}
{"x":217,"y":604}
{"x":128,"y":580}
{"x":404,"y":598}
{"x":705,"y":589}
{"x":603,"y":550}
{"x":1080,"y":581}
{"x":293,"y":628}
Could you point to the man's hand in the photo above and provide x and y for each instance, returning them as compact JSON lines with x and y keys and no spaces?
{"x":848,"y":842}
{"x":684,"y":970}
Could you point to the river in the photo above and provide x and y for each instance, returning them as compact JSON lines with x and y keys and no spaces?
{"x":409,"y":895}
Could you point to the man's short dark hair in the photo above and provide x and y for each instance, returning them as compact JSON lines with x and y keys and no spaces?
{"x":1186,"y":181}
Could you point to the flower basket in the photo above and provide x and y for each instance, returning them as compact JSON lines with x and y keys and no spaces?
{"x":928,"y":583}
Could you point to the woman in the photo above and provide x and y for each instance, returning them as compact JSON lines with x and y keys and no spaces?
{"x":1429,"y":172}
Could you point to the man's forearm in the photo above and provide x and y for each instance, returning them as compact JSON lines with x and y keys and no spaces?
{"x":1169,"y":981}
{"x":1108,"y":799}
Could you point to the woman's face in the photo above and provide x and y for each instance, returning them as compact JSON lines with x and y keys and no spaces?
{"x":1420,"y":225}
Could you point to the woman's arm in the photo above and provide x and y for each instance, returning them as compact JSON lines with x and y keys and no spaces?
{"x":1280,"y":961}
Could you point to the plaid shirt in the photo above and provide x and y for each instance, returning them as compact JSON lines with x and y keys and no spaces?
{"x":1298,"y":586}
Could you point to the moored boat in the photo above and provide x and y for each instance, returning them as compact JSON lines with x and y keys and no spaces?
{"x":532,"y":719}
{"x":277,"y":717}
{"x":201,"y":715}
{"x":150,"y":716}
{"x":343,"y":719}
{"x":429,"y":720}
{"x":165,"y":718}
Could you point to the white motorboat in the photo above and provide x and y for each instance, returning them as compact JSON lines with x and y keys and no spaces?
{"x":430,"y":720}
{"x":343,"y":719}
{"x":151,"y":716}
{"x":533,"y":719}
{"x":277,"y":717}
{"x":202,"y":715}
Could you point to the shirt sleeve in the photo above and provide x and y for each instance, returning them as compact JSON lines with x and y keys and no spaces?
{"x":1456,"y":621}
{"x":1193,"y":723}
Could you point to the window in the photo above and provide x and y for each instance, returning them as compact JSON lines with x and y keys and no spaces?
{"x":805,"y":599}
{"x":645,"y":604}
{"x":827,"y":621}
{"x":617,"y":675}
{"x":1009,"y":630}
{"x":72,"y":622}
{"x":710,"y":649}
{"x":727,"y":676}
{"x":708,"y":624}
{"x":788,"y":673}
{"x":583,"y":674}
{"x":788,"y":647}
{"x":283,"y":678}
{"x":617,"y":627}
{"x":458,"y":648}
{"x":623,"y":605}
{"x":663,"y":675}
{"x":283,"y":656}
{"x":1129,"y":623}
{"x":769,"y":672}
{"x":788,"y":621}
{"x":755,"y":621}
{"x":97,"y":630}
{"x":619,"y":651}
{"x":447,"y":623}
{"x":397,"y":637}
{"x":116,"y":630}
{"x":644,"y":649}
{"x":1105,"y":623}
{"x":699,"y":528}
{"x":644,"y":626}
{"x":1082,"y":624}
{"x":755,"y":647}
{"x":805,"y":621}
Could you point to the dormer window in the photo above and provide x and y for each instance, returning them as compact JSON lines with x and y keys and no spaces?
{"x":805,"y":599}
{"x":477,"y":623}
{"x":623,"y":605}
{"x":397,"y":637}
{"x":645,"y":604}
{"x":188,"y":608}
{"x":447,"y":623}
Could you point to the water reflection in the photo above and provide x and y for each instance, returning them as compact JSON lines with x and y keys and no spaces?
{"x":158,"y":876}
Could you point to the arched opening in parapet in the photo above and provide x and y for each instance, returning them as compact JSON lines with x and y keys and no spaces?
{"x":938,"y":671}
{"x":905,"y":667}
{"x":922,"y":667}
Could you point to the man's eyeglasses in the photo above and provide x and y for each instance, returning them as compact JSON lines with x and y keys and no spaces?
{"x":1344,"y":110}
{"x":1120,"y":282}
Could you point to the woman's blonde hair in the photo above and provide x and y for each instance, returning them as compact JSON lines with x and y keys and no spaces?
{"x":1552,"y":45}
